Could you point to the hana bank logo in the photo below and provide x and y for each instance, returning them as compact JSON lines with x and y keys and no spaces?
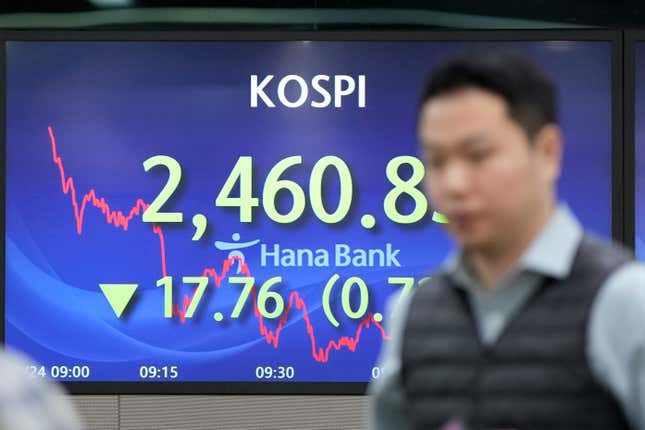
{"x":235,"y":248}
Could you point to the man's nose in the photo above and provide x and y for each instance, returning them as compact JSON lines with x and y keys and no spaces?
{"x":456,"y":178}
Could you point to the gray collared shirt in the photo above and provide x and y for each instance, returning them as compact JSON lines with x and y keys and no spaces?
{"x":616,"y":331}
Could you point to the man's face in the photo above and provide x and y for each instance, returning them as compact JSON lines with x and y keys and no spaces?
{"x":481,"y":170}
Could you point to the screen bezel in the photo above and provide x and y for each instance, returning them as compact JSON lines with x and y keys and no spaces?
{"x":622,"y":188}
{"x":631,"y":39}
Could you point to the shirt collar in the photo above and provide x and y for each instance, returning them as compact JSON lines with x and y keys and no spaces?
{"x":551,"y":252}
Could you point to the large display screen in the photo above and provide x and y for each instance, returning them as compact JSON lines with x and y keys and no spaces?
{"x":239,"y":211}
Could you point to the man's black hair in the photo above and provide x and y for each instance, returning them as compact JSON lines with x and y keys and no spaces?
{"x":528,"y":92}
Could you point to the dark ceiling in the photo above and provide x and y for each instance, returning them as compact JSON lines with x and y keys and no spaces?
{"x":338,"y":13}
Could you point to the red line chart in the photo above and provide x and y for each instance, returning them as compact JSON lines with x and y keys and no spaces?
{"x":121,"y":220}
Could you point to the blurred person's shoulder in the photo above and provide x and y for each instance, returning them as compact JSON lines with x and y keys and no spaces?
{"x":30,"y":402}
{"x":14,"y":372}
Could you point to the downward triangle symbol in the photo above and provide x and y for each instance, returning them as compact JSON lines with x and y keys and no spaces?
{"x":118,"y":295}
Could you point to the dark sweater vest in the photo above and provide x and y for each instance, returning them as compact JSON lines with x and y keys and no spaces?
{"x":534,"y":377}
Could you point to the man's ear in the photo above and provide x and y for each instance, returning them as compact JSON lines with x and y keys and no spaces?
{"x":548,"y":146}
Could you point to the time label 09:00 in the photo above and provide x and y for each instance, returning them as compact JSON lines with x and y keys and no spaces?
{"x":60,"y":371}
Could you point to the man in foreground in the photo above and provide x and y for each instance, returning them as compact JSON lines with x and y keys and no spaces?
{"x":533,"y":323}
